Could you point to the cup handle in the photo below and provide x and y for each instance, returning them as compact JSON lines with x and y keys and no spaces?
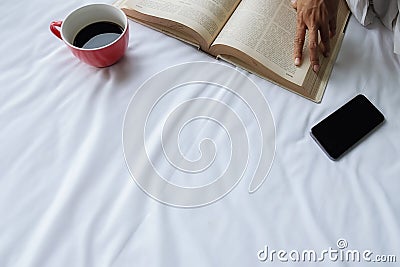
{"x":54,"y":30}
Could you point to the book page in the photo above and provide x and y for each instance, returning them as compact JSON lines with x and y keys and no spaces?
{"x":206,"y":17}
{"x":265,"y":30}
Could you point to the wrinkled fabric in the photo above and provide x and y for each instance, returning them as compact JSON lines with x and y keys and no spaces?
{"x":67,"y":198}
{"x":386,"y":10}
{"x":361,"y":11}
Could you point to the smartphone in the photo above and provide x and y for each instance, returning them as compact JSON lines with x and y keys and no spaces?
{"x":347,"y":126}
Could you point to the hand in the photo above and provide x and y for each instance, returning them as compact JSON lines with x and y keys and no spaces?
{"x":316,"y":16}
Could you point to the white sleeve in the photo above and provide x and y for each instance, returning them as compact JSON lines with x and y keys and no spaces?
{"x":360,"y":10}
{"x":396,"y":31}
{"x":386,"y":11}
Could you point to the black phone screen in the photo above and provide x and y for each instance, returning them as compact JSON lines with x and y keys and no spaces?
{"x":347,"y":126}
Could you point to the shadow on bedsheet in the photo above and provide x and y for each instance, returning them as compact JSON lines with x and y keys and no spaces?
{"x":120,"y":71}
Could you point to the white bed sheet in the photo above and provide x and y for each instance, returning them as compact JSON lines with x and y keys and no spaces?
{"x":66,"y":196}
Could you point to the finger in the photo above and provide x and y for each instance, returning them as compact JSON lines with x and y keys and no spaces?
{"x":313,"y":47}
{"x":299,"y":42}
{"x":325,"y":45}
{"x":332,"y":27}
{"x":294,"y":4}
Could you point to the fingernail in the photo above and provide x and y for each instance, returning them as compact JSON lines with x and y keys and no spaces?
{"x":297,"y":61}
{"x":316,"y":68}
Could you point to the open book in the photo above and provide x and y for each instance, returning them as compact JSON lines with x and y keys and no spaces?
{"x":256,"y":35}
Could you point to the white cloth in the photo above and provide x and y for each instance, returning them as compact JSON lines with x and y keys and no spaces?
{"x":67,"y":198}
{"x":360,"y":10}
{"x":386,"y":10}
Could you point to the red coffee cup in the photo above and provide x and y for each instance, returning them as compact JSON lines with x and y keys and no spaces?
{"x":78,"y":19}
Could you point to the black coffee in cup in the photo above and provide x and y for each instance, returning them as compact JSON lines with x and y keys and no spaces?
{"x":97,"y":34}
